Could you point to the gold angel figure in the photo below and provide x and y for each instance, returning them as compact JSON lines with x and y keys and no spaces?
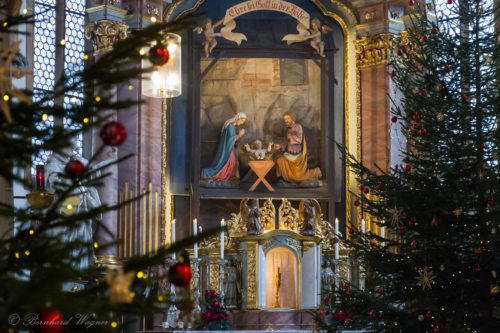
{"x":208,"y":31}
{"x":314,"y":34}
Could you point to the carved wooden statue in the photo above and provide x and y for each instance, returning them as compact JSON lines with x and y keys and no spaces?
{"x":252,"y":215}
{"x":309,"y":217}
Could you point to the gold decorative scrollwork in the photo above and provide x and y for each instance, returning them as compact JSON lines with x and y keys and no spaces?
{"x":326,"y":232}
{"x":268,"y":216}
{"x":214,"y":275}
{"x":372,"y":51}
{"x":252,"y":275}
{"x":104,"y":33}
{"x":288,"y":217}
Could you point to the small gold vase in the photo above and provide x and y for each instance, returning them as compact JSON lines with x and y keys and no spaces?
{"x":39,"y":199}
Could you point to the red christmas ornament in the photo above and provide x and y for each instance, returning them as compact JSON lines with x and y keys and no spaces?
{"x":422,"y":131}
{"x":50,"y":321}
{"x":477,"y":269}
{"x":411,"y":223}
{"x":415,"y":117}
{"x":428,"y":315}
{"x":478,"y":251}
{"x":434,"y":31}
{"x":380,"y":187}
{"x":357,"y":203}
{"x":447,"y":68}
{"x":351,"y":231}
{"x":464,"y":98}
{"x":434,"y":223}
{"x":492,"y":202}
{"x":158,"y":54}
{"x":415,"y":126}
{"x":401,"y":232}
{"x":408,"y":167}
{"x":381,"y":291}
{"x":366,"y":190}
{"x":180,"y":275}
{"x":372,"y":313}
{"x":411,"y":3}
{"x":74,"y":169}
{"x":413,"y":244}
{"x":394,"y":119}
{"x":436,"y":330}
{"x":113,"y":133}
{"x":361,"y":187}
{"x":399,"y":52}
{"x":393,"y":73}
{"x":450,"y":2}
{"x":424,"y":38}
{"x":423,"y":93}
{"x":334,"y":241}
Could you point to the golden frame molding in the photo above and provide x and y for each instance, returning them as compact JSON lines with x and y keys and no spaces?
{"x":351,"y":83}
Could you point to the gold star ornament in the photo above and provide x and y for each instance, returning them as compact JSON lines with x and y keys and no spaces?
{"x":396,"y":215}
{"x":119,"y":286}
{"x":426,"y":278}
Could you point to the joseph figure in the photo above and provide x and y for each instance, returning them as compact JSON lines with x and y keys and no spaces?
{"x":292,"y":164}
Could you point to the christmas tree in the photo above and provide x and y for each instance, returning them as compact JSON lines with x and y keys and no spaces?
{"x":435,"y":267}
{"x":47,"y":280}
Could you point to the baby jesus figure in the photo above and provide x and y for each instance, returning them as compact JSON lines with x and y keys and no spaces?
{"x":257,"y":152}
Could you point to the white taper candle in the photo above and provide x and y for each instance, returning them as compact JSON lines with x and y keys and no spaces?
{"x":222,"y":224}
{"x":195,"y":233}
{"x":363,"y":226}
{"x":337,"y":245}
{"x":173,"y":236}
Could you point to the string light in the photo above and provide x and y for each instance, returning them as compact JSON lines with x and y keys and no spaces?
{"x":85,"y":120}
{"x":27,"y":253}
{"x":32,"y":232}
{"x":6,"y":97}
{"x":96,"y":245}
{"x":140,"y":275}
{"x":63,"y":42}
{"x":114,"y":324}
{"x":98,"y":99}
{"x":45,"y":117}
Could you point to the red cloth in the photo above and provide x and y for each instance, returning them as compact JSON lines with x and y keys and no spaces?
{"x":228,"y":171}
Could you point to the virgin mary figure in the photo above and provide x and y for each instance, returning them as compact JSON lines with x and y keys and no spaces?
{"x":225,"y":163}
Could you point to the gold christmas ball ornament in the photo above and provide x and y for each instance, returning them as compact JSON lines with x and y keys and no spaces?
{"x":488,"y":59}
{"x":440,"y":116}
{"x":420,"y":317}
{"x":39,"y":199}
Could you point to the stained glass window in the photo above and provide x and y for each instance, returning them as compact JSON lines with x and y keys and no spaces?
{"x":45,"y":60}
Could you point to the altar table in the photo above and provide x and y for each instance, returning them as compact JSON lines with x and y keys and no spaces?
{"x":261,"y":169}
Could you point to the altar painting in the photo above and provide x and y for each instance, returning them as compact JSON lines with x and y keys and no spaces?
{"x":264,"y":91}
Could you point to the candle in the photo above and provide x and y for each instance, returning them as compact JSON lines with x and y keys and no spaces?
{"x":40,"y":177}
{"x":337,"y":245}
{"x":173,"y":236}
{"x":382,"y":234}
{"x":195,"y":231}
{"x":363,"y":226}
{"x":222,"y":224}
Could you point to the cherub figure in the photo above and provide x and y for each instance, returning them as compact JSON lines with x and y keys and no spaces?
{"x":315,"y":35}
{"x":208,"y":31}
{"x":257,"y":152}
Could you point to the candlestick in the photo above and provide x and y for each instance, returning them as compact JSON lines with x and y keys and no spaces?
{"x":195,"y":232}
{"x":337,"y":245}
{"x":222,"y":224}
{"x":363,"y":226}
{"x":196,"y":278}
{"x":40,"y":177}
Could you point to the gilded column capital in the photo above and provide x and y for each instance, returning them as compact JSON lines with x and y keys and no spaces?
{"x":372,"y":51}
{"x":103,"y":34}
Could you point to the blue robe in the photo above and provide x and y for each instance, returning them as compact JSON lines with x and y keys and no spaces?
{"x":226,"y":146}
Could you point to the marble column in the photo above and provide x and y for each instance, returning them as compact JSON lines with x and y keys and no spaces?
{"x":103,"y":30}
